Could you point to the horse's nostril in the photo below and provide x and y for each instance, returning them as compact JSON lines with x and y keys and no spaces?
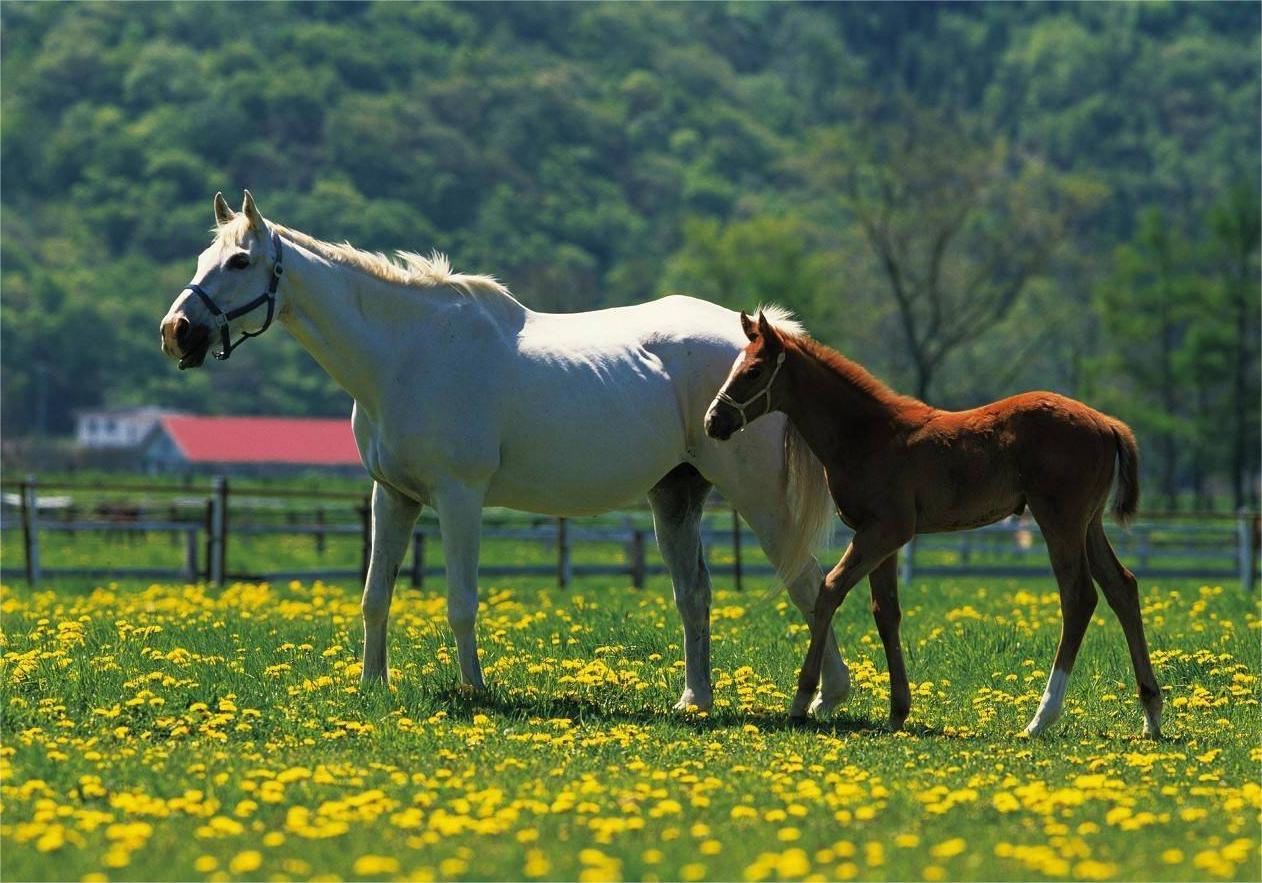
{"x":181,"y":329}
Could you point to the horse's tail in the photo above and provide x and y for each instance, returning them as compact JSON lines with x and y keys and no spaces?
{"x":810,"y":504}
{"x":1126,"y":500}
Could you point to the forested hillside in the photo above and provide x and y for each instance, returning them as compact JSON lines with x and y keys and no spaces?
{"x":971,"y":199}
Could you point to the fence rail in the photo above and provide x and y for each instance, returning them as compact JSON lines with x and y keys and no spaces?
{"x":1155,"y":546}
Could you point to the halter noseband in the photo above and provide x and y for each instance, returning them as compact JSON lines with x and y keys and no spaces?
{"x":765,"y":391}
{"x":221,"y":319}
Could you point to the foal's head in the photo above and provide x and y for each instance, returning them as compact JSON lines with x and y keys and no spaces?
{"x":231,"y":293}
{"x":750,"y":388}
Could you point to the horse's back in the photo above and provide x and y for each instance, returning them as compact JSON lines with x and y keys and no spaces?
{"x":1054,"y":441}
{"x":595,"y":407}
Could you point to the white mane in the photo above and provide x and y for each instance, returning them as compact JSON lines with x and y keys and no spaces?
{"x":781,"y":318}
{"x":407,"y":268}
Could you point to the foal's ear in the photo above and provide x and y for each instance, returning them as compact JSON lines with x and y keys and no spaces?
{"x":252,"y":212}
{"x":223,"y":213}
{"x":767,"y":332}
{"x":747,"y":324}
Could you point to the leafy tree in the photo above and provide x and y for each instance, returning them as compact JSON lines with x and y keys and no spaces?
{"x":959,"y":225}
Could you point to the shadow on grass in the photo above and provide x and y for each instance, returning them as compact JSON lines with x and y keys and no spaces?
{"x":461,"y":704}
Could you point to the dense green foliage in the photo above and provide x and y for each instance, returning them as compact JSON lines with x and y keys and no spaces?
{"x":1102,"y":158}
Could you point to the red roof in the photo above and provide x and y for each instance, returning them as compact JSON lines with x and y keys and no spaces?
{"x":263,"y":440}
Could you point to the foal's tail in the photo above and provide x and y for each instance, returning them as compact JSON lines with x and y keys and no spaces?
{"x":1126,"y":500}
{"x":810,"y":504}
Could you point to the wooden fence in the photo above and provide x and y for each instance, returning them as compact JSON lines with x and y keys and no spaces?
{"x":1214,"y":546}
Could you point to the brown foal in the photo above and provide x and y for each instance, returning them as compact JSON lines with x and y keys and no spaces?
{"x":898,"y":467}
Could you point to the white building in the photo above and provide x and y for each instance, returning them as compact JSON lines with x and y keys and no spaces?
{"x":116,"y":427}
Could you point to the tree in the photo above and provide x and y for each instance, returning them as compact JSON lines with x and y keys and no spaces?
{"x":1235,"y":228}
{"x":959,"y":223}
{"x":748,"y":262}
{"x":1145,"y":304}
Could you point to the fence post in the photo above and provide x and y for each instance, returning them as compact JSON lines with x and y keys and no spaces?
{"x":564,"y":571}
{"x":365,"y":518}
{"x":418,"y":558}
{"x":1247,"y":550}
{"x":907,"y":564}
{"x":319,"y":537}
{"x":190,"y":554}
{"x":736,"y":548}
{"x":217,"y":555}
{"x":637,"y":558}
{"x":210,"y":536}
{"x":30,"y":529}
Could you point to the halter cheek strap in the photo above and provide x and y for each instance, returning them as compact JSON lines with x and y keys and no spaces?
{"x":221,"y":319}
{"x":765,"y":391}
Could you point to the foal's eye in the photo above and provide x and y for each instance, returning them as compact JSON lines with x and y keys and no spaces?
{"x":239,"y":261}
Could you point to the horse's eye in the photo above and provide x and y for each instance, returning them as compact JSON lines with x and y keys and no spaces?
{"x":239,"y":261}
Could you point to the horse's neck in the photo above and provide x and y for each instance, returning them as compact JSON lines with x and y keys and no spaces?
{"x":832,"y":410}
{"x":352,"y":323}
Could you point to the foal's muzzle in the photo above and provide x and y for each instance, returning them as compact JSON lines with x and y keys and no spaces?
{"x":720,"y":426}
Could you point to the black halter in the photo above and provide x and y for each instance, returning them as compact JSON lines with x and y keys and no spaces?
{"x":221,"y":319}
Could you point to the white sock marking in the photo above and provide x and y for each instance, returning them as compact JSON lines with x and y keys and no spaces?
{"x":1049,"y":708}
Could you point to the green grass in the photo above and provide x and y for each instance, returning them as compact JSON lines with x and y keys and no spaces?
{"x":175,"y":732}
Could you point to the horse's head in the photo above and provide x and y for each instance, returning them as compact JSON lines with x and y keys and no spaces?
{"x":224,"y":296}
{"x":747,"y":394}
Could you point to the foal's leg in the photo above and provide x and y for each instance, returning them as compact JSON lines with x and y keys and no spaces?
{"x":459,"y":508}
{"x":883,"y":582}
{"x":393,"y":517}
{"x":1067,"y":549}
{"x":1121,"y":590}
{"x":868,"y":549}
{"x":677,"y":502}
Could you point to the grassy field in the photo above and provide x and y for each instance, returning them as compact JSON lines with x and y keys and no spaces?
{"x":175,"y":732}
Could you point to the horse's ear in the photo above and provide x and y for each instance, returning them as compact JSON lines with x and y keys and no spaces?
{"x":767,"y":331}
{"x":252,"y":212}
{"x":223,"y":213}
{"x":747,"y":324}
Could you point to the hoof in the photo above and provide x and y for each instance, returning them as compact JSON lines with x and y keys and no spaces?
{"x":895,"y":724}
{"x":801,"y":705}
{"x":691,"y":701}
{"x":822,"y":705}
{"x":1037,"y":728}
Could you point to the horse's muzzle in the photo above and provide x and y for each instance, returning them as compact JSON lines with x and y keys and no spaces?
{"x":185,"y":341}
{"x":718,"y":426}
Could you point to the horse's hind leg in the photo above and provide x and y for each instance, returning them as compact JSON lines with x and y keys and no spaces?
{"x":768,"y":523}
{"x":1066,"y":547}
{"x":1121,"y":590}
{"x":677,"y":502}
{"x":869,"y":549}
{"x":459,"y":508}
{"x":883,"y":583}
{"x":393,"y":517}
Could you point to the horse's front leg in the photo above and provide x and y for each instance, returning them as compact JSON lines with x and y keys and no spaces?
{"x":459,"y":508}
{"x":393,"y":517}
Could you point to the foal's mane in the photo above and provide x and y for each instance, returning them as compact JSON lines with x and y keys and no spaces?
{"x":407,"y":268}
{"x":851,"y":372}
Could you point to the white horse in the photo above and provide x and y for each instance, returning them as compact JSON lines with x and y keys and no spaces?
{"x":464,"y":398}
